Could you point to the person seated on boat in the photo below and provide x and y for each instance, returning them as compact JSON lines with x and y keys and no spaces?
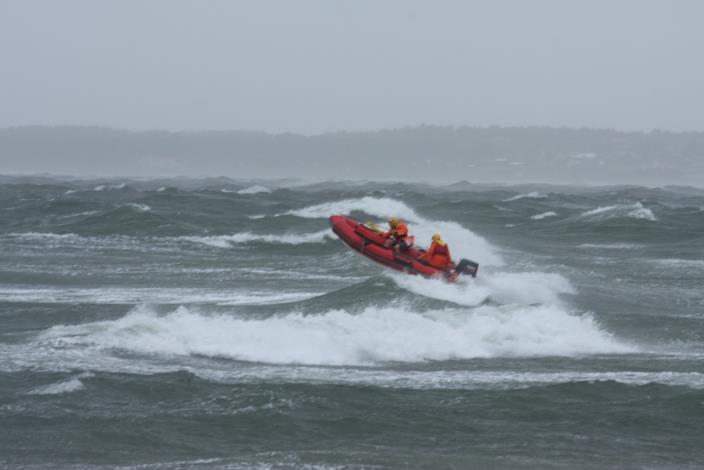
{"x":397,"y":235}
{"x":438,"y":255}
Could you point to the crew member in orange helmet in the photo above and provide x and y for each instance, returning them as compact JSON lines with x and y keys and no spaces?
{"x":397,"y":235}
{"x":438,"y":255}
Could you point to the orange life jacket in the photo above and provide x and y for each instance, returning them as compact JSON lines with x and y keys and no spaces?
{"x":439,"y":250}
{"x":439,"y":256}
{"x":400,"y":232}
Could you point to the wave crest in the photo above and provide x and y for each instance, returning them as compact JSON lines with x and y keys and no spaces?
{"x":634,"y":211}
{"x":376,"y":335}
{"x":226,"y":241}
{"x":530,"y":195}
{"x":256,"y":189}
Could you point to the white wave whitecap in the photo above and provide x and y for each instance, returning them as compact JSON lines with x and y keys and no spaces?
{"x":72,"y":384}
{"x":137,"y":243}
{"x":544,"y":215}
{"x":523,"y":288}
{"x":151,"y":295}
{"x":139,"y":207}
{"x":530,"y":195}
{"x":226,"y":241}
{"x":256,"y":189}
{"x":464,"y":243}
{"x":42,"y":236}
{"x":612,"y":246}
{"x":376,"y":335}
{"x":446,"y":379}
{"x":634,"y":211}
{"x":104,"y":187}
{"x":381,"y":207}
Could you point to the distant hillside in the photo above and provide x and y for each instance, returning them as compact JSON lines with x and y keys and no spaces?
{"x":493,"y":154}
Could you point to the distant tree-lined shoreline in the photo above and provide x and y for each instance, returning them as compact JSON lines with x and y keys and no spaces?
{"x":425,"y":153}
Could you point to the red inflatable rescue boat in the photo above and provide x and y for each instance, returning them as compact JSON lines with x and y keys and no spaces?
{"x":370,"y":242}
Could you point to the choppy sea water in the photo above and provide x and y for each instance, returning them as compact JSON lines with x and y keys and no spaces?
{"x":206,"y":325}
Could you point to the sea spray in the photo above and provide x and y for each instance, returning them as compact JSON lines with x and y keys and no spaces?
{"x":504,"y":287}
{"x":374,"y":336}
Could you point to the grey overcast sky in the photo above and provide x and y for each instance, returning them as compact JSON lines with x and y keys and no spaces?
{"x":317,"y":66}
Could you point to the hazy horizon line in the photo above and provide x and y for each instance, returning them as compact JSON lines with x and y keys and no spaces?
{"x":357,"y":131}
{"x":313,"y":181}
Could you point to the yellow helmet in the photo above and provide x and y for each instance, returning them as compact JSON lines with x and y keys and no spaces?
{"x":393,"y":221}
{"x":437,"y":237}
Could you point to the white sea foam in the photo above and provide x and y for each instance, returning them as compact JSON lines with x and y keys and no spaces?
{"x":611,"y":246}
{"x":78,"y":214}
{"x":508,"y":288}
{"x":682,"y":263}
{"x":543,"y":215}
{"x":467,"y":293}
{"x":453,"y":379}
{"x":272,"y":273}
{"x":634,"y":211}
{"x":123,"y":242}
{"x":41,"y":236}
{"x":256,"y":189}
{"x":66,"y":386}
{"x":104,"y":187}
{"x":376,"y":335}
{"x":530,"y":195}
{"x":169,"y":243}
{"x":447,"y":379}
{"x":56,"y":351}
{"x":155,"y":295}
{"x":161,"y":189}
{"x":464,"y":243}
{"x":381,"y":207}
{"x":226,"y":241}
{"x":640,"y":212}
{"x":139,"y":207}
{"x":526,"y":287}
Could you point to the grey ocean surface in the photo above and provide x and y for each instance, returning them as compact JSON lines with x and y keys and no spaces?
{"x":212,"y":324}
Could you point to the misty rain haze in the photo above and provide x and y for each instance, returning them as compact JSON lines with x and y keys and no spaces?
{"x":175,"y":293}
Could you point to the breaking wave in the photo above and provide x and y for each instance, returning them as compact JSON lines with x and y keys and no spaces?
{"x":152,"y":295}
{"x":256,"y":189}
{"x":374,"y":336}
{"x":530,"y":195}
{"x":107,"y":187}
{"x":139,"y":207}
{"x":72,"y":384}
{"x":634,"y":211}
{"x":543,"y":215}
{"x":226,"y":241}
{"x":524,"y":288}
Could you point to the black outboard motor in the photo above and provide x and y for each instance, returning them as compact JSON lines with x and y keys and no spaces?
{"x":466,"y":266}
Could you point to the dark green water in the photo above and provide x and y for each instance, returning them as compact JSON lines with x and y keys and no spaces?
{"x":217,"y":324}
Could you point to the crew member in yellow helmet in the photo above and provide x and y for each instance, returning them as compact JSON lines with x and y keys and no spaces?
{"x":438,"y":255}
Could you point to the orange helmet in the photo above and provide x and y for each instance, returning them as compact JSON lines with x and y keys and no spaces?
{"x":402,"y":230}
